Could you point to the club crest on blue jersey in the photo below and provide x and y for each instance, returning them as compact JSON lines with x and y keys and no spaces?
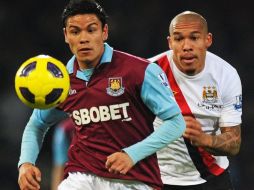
{"x":238,"y":104}
{"x":115,"y":87}
{"x":210,"y":94}
{"x":163,"y":78}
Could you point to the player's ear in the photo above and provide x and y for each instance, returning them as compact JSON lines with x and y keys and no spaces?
{"x":105,"y":32}
{"x":209,"y":40}
{"x":65,"y":36}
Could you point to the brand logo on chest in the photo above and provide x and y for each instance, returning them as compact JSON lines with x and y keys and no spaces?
{"x":115,"y":87}
{"x":72,"y":91}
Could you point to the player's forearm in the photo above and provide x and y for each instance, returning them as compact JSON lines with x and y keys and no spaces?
{"x":32,"y":140}
{"x":31,"y":144}
{"x":169,"y":131}
{"x":226,"y":144}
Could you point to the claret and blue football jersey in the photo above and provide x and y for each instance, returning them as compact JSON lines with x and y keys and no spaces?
{"x":115,"y":105}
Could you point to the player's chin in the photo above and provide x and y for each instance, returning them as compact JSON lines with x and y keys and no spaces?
{"x":84,"y":59}
{"x":190,"y":71}
{"x":84,"y":54}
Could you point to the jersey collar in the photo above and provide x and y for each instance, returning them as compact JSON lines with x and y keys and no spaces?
{"x":105,"y":59}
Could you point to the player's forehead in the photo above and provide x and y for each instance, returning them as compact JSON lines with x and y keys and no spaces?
{"x":82,"y":20}
{"x":188,"y":22}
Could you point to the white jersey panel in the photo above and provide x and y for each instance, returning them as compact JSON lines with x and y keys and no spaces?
{"x":214,"y":97}
{"x":175,"y":163}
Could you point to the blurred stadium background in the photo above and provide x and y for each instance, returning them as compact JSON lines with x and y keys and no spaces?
{"x":29,"y":28}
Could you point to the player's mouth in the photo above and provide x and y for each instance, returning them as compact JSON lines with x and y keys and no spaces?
{"x":188,"y":59}
{"x":85,"y":50}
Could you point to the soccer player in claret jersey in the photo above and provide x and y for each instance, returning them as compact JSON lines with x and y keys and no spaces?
{"x":209,"y":93}
{"x":113,"y":101}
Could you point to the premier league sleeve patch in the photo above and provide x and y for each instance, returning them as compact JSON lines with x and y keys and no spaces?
{"x":238,"y":103}
{"x":163,"y":78}
{"x":115,"y":87}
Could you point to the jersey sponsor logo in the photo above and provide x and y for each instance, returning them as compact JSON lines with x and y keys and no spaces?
{"x":163,"y":78}
{"x":102,"y":113}
{"x":212,"y":107}
{"x":115,"y":87}
{"x":238,"y":103}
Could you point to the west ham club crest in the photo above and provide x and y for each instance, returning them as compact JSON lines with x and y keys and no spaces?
{"x":115,"y":87}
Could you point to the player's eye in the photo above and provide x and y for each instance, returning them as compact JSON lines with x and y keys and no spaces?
{"x":91,"y":29}
{"x":178,"y":38}
{"x":74,"y":32}
{"x":194,"y":38}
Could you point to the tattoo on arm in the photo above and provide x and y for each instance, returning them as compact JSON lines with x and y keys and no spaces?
{"x":227,"y":143}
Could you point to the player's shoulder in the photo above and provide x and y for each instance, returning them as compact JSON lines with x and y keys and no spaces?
{"x":217,"y":62}
{"x":159,"y":56}
{"x":128,"y":56}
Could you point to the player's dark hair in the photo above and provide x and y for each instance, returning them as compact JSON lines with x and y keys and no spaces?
{"x":75,"y":7}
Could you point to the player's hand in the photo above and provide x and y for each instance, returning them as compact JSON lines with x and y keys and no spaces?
{"x":119,"y":163}
{"x":195,"y":134}
{"x":29,"y":177}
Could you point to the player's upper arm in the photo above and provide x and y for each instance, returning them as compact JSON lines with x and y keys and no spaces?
{"x":157,"y":94}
